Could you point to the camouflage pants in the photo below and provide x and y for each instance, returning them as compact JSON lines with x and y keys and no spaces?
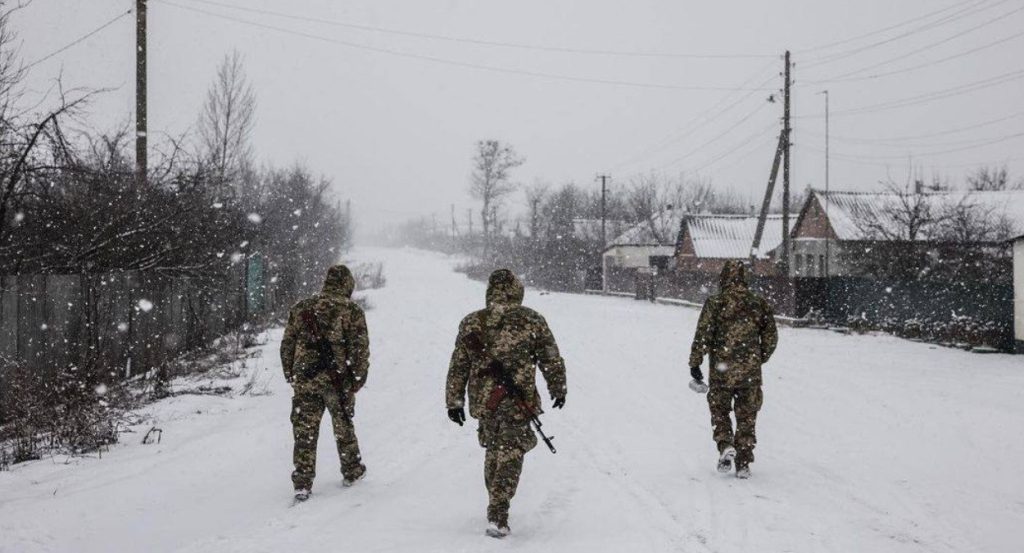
{"x":308,"y":404}
{"x":745,"y":402}
{"x":507,"y":440}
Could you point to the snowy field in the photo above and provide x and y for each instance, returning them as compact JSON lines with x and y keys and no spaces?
{"x":867,"y":443}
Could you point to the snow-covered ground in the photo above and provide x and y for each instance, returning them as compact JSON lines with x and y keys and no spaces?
{"x":867,"y":443}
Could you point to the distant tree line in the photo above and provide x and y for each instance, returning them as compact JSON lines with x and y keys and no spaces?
{"x":555,"y":239}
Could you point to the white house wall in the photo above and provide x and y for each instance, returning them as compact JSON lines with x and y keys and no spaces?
{"x":633,"y":257}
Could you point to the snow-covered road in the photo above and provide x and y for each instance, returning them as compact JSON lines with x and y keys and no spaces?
{"x":867,"y":443}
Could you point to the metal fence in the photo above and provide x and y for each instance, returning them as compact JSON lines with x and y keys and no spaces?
{"x":965,"y":312}
{"x":124,"y":323}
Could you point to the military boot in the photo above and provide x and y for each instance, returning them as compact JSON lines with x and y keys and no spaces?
{"x":742,"y":468}
{"x":725,"y":459}
{"x":356,"y":476}
{"x":497,"y":530}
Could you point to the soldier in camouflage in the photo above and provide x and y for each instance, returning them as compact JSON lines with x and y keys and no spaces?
{"x":510,"y":337}
{"x":737,"y":332}
{"x":333,"y":315}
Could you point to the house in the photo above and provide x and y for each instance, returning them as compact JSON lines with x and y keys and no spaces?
{"x":706,"y":242}
{"x":649,"y":244}
{"x":834,"y":229}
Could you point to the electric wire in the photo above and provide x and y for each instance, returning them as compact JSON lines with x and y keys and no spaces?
{"x":78,"y":40}
{"x":446,"y":61}
{"x":697,"y":122}
{"x":479,"y":42}
{"x":738,"y":147}
{"x":897,"y":140}
{"x":926,"y":98}
{"x":966,"y":12}
{"x":904,"y":23}
{"x":847,"y":76}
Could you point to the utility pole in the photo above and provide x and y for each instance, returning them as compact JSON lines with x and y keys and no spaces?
{"x":755,"y":248}
{"x":604,"y":210}
{"x":827,"y":156}
{"x":140,"y":94}
{"x":785,"y":168}
{"x":455,"y":231}
{"x":469,"y":218}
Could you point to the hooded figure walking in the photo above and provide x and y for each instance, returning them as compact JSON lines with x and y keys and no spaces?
{"x":325,"y":354}
{"x":503,"y":342}
{"x":737,"y":332}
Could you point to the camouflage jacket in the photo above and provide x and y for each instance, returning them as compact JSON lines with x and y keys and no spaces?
{"x":508,"y":332}
{"x":736,"y":330}
{"x":344,"y":323}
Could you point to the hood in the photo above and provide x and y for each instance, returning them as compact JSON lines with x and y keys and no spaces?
{"x":734,"y":275}
{"x":504,"y":288}
{"x":339,"y":281}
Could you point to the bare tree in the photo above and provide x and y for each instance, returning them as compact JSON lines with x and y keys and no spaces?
{"x":535,"y":196}
{"x":227,"y":120}
{"x":12,"y":71}
{"x":490,"y":181}
{"x":906,"y":218}
{"x":649,"y":196}
{"x":991,"y":179}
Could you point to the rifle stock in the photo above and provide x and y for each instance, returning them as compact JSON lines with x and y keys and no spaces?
{"x":507,"y":386}
{"x":325,"y":358}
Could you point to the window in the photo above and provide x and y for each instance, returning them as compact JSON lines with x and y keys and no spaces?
{"x":659,"y":262}
{"x":810,"y":264}
{"x":821,"y":265}
{"x":799,"y":264}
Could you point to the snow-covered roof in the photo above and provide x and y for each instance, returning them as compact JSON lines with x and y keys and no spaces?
{"x":661,"y":230}
{"x":731,"y":236}
{"x":857,"y":215}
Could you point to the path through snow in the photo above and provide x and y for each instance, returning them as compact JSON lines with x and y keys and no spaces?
{"x":867,"y":443}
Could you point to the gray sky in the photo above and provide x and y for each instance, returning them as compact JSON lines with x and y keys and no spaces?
{"x":396,"y":133}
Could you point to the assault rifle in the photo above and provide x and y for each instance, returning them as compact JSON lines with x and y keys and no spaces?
{"x":325,"y":359}
{"x":507,"y":387}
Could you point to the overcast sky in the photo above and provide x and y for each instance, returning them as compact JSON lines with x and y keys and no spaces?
{"x":396,"y":132}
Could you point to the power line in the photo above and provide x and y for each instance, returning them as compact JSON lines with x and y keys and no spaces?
{"x":738,"y":147}
{"x":991,"y":142}
{"x":480,"y":42}
{"x":445,"y":61}
{"x":884,"y":30}
{"x":844,"y":76}
{"x":897,"y":140}
{"x":910,"y":160}
{"x":966,"y":12}
{"x":718,"y":136}
{"x":78,"y":40}
{"x":931,"y":96}
{"x":923,"y":65}
{"x":699,"y":120}
{"x":905,"y":144}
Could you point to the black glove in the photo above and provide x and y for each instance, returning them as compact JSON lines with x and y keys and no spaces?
{"x":458,"y":415}
{"x":559,"y":402}
{"x":696,"y":373}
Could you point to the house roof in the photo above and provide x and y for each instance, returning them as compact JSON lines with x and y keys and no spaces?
{"x":859,"y":215}
{"x":661,"y":230}
{"x":731,"y":236}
